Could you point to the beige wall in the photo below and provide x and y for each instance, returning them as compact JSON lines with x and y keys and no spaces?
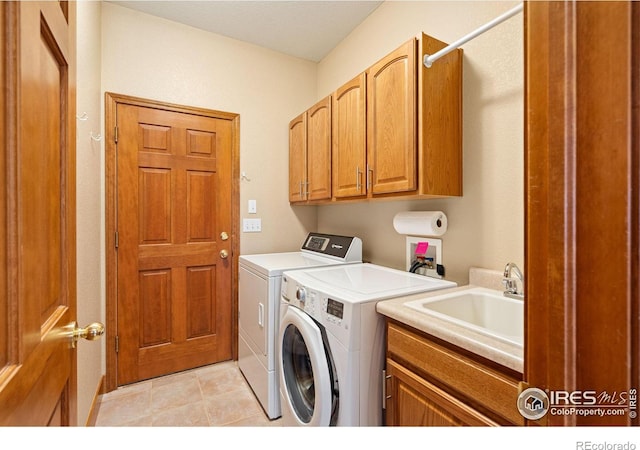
{"x":149,"y":57}
{"x":89,"y":222}
{"x":486,"y":225}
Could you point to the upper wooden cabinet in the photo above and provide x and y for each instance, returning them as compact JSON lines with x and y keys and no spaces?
{"x":397,"y":129}
{"x":349,"y":132}
{"x":310,"y":154}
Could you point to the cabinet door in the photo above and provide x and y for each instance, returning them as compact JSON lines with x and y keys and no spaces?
{"x":350,"y":139}
{"x":298,"y":158}
{"x":319,"y":150}
{"x":413,"y":401}
{"x":391,"y":121}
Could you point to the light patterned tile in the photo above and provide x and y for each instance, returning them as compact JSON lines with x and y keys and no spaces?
{"x":173,"y":378}
{"x":214,"y":395}
{"x":231,"y":407}
{"x":221,"y":380}
{"x":191,"y":415}
{"x":124,"y":408}
{"x":180,"y":392}
{"x":146,"y":421}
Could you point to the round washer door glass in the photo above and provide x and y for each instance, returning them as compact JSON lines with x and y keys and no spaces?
{"x":298,"y":373}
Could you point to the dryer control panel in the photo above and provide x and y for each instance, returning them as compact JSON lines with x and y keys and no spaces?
{"x":341,"y":248}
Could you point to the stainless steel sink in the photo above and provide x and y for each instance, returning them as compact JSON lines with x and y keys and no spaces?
{"x":484,"y":310}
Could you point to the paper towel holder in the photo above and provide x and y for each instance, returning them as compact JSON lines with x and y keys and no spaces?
{"x":421,"y":223}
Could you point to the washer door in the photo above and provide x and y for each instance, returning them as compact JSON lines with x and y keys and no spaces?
{"x":305,"y":370}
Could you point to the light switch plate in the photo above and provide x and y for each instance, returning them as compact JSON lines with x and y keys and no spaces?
{"x":252,"y":207}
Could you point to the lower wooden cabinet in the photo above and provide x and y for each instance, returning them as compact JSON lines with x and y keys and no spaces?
{"x":429,"y":383}
{"x":413,"y":401}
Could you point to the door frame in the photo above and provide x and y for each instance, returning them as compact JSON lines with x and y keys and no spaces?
{"x":582,"y":225}
{"x":111,"y":102}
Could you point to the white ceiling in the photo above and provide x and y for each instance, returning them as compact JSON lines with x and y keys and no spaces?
{"x":305,"y":29}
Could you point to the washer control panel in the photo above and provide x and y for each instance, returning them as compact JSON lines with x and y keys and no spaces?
{"x":334,"y":310}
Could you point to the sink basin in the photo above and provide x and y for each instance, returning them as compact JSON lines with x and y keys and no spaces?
{"x":486,"y":311}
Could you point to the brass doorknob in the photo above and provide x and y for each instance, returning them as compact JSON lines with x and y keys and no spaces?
{"x":224,"y":236}
{"x":224,"y":254}
{"x":90,"y":332}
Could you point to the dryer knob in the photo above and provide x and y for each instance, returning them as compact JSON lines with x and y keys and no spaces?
{"x":301,"y":294}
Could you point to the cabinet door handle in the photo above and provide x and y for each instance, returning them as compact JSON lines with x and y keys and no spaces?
{"x":301,"y":190}
{"x":369,"y":176}
{"x":385,"y":397}
{"x":358,"y":182}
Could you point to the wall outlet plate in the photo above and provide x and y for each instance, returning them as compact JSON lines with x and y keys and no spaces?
{"x":251,"y":225}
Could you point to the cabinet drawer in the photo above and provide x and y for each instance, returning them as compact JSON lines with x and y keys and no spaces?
{"x":486,"y":386}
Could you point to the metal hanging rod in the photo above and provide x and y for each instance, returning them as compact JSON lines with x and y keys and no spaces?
{"x":428,"y":60}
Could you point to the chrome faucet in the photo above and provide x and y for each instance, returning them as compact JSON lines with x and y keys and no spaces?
{"x":511,"y":283}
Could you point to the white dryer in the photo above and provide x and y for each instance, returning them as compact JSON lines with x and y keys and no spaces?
{"x":331,"y":342}
{"x":259,"y":306}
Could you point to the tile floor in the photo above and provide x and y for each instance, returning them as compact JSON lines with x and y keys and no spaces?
{"x":216,"y":395}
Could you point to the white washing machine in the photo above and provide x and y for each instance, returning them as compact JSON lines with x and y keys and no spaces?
{"x":331,"y":342}
{"x":259,"y":306}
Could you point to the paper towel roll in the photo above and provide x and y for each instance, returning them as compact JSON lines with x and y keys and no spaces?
{"x":420,"y":223}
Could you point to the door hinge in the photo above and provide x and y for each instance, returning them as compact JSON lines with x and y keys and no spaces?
{"x":115,"y":134}
{"x":117,"y":344}
{"x":117,"y":239}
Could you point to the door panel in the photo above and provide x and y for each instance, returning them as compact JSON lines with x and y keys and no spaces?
{"x":319,"y":150}
{"x":349,"y":137}
{"x":174,"y":200}
{"x":38,"y":371}
{"x":391,"y":121}
{"x":298,"y":158}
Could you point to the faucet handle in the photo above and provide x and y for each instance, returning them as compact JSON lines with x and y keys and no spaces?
{"x":510,"y":284}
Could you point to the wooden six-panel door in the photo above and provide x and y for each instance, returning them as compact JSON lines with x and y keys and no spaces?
{"x":174,"y":241}
{"x":37,"y":212}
